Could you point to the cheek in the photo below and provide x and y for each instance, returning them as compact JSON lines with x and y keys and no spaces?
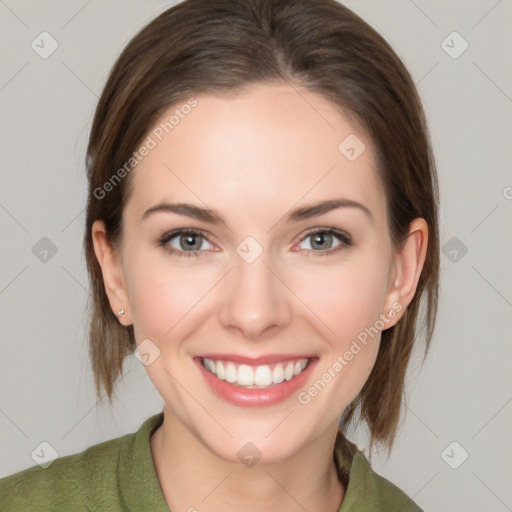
{"x":347,"y":297}
{"x":162,"y":293}
{"x":349,"y":306}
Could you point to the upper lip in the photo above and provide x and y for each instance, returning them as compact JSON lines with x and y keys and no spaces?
{"x":256,"y":361}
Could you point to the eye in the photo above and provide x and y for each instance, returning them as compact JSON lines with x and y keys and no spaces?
{"x":185,"y":242}
{"x":322,"y":241}
{"x":191,"y":242}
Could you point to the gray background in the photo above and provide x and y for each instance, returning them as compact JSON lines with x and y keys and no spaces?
{"x":463,"y":392}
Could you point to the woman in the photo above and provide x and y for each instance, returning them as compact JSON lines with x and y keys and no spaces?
{"x":261,"y":228}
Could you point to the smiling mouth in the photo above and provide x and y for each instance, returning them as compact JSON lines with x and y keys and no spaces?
{"x":255,"y":377}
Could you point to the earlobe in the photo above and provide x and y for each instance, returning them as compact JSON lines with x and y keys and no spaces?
{"x":112,"y":271}
{"x":408,"y":264}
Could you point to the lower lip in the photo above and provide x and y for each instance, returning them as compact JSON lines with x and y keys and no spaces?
{"x":244,"y":397}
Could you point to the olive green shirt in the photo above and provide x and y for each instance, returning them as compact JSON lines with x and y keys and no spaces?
{"x":120,"y":475}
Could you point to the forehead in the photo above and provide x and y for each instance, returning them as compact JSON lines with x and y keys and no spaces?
{"x":272,"y":146}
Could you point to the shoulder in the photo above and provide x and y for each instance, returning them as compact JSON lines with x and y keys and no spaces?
{"x":380,"y":493}
{"x":367,"y":490}
{"x":67,"y":483}
{"x":391,"y":497}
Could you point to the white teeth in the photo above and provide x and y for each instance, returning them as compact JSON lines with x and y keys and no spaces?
{"x":278,"y":374}
{"x":245,"y":375}
{"x":210,"y":365}
{"x":231,"y":373}
{"x":263,"y":376}
{"x":221,"y":373}
{"x":259,"y":376}
{"x":288,"y":373}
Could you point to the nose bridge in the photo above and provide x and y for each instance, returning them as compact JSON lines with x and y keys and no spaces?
{"x":255,"y":300}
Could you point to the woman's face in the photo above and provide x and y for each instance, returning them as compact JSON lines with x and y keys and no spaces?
{"x":289,"y":262}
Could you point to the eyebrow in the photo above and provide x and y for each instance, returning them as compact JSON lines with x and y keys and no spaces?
{"x":211,"y":216}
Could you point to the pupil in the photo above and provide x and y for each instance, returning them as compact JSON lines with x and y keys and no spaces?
{"x":322,"y":240}
{"x":190,"y":241}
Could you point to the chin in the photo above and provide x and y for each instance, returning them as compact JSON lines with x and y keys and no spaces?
{"x":257,"y":444}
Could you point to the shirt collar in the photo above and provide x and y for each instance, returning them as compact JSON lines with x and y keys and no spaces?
{"x":140,"y":487}
{"x":138,"y":480}
{"x":362,"y":493}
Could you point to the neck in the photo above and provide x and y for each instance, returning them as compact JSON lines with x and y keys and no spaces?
{"x":193,"y":478}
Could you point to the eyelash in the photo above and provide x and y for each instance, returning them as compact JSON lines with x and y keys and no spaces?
{"x":344,"y":239}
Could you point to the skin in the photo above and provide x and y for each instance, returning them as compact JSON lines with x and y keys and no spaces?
{"x":253,"y":158}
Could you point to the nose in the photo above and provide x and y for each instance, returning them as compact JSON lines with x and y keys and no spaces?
{"x":256,"y":303}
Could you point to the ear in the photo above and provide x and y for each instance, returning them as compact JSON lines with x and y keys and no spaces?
{"x":407,"y":266}
{"x":112,"y":270}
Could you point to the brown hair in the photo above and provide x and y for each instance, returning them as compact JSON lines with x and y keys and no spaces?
{"x":221,"y":47}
